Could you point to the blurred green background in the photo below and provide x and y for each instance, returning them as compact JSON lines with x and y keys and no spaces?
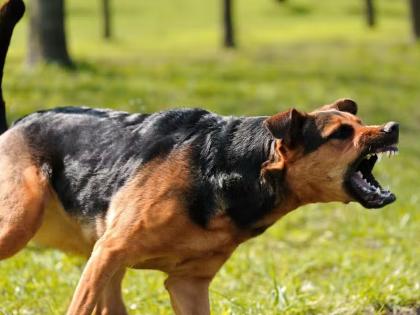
{"x":320,"y":259}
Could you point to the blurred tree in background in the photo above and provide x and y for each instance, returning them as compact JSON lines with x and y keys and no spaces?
{"x":228,"y":28}
{"x":106,"y":11}
{"x":47,"y":37}
{"x":370,"y":13}
{"x":415,"y":13}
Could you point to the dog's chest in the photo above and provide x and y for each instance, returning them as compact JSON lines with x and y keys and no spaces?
{"x":189,"y":249}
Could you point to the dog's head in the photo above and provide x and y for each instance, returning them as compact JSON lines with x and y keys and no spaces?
{"x":328,"y":154}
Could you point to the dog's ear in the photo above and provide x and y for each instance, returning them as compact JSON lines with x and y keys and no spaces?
{"x":275,"y":165}
{"x":343,"y":105}
{"x":287,"y":126}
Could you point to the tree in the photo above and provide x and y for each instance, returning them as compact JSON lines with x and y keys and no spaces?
{"x":106,"y":11}
{"x":47,"y":37}
{"x":415,"y":14}
{"x":228,"y":29}
{"x":370,"y":13}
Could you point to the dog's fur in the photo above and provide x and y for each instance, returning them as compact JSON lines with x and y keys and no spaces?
{"x":175,"y":191}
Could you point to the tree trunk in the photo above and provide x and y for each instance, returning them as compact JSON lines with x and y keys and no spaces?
{"x":106,"y":11}
{"x":370,"y":13}
{"x":415,"y":14}
{"x":229,"y":35}
{"x":47,"y":37}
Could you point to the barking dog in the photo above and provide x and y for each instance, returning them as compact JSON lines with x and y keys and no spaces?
{"x":175,"y":191}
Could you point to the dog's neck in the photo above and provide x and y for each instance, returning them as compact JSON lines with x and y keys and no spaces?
{"x":233,"y":169}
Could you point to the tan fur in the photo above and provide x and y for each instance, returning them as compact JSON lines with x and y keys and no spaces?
{"x":23,"y":190}
{"x":111,"y":301}
{"x":318,"y":176}
{"x":57,"y":226}
{"x":155,"y":222}
{"x":189,"y":295}
{"x":147,"y":227}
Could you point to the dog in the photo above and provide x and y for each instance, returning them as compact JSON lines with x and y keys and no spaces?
{"x":176,"y":191}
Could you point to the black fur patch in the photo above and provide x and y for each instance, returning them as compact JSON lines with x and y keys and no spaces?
{"x":312,"y":129}
{"x":228,"y":165}
{"x":92,"y":153}
{"x":312,"y":138}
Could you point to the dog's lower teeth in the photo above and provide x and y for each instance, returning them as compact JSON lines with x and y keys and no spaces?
{"x":365,"y":182}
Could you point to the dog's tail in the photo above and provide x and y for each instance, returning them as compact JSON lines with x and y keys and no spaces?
{"x":10,"y":13}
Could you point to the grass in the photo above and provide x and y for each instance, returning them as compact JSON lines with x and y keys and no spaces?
{"x":321,"y":259}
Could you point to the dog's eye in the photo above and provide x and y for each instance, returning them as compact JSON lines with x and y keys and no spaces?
{"x":343,"y":132}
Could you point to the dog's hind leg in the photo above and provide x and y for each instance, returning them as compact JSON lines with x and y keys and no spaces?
{"x":23,"y":190}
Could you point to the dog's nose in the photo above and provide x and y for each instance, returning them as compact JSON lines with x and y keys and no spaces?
{"x":391,"y":127}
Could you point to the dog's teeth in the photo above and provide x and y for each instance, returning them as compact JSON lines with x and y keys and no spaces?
{"x":359,"y":173}
{"x":379,"y":155}
{"x":378,"y":190}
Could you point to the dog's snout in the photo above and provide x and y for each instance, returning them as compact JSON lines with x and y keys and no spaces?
{"x":391,"y":127}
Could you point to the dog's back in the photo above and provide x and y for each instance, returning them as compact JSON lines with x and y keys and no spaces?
{"x":89,"y":154}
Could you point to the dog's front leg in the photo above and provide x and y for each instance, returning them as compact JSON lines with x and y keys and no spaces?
{"x":111,"y":300}
{"x":105,"y":261}
{"x":189,"y":295}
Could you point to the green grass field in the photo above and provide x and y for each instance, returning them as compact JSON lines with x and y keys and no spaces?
{"x":320,"y":259}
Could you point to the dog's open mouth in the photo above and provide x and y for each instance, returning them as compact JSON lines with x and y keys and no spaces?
{"x":361,"y":183}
